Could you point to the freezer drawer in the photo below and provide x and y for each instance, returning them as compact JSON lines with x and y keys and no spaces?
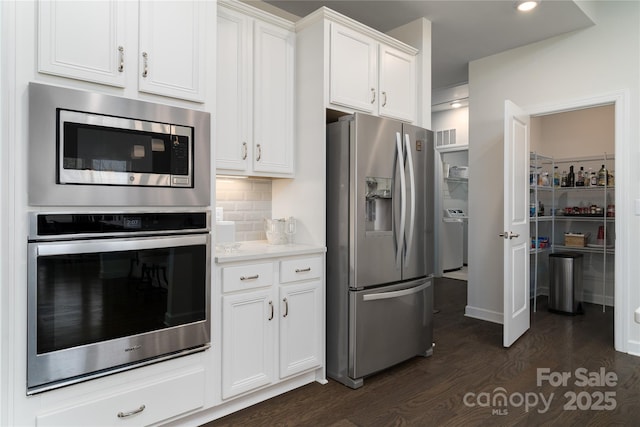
{"x":389,"y":324}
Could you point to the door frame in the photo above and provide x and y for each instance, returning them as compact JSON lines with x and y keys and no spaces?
{"x":623,"y":244}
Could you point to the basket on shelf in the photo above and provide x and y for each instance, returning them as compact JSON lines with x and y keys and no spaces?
{"x":576,"y":240}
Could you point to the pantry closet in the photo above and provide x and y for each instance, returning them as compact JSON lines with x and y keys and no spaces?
{"x":574,"y":212}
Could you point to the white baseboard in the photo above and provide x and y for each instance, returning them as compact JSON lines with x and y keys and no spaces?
{"x":482,"y":314}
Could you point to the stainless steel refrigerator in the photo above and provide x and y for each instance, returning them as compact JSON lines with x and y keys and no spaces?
{"x":380,"y":248}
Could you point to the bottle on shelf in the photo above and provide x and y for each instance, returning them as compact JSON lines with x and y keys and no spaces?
{"x":587,"y":177}
{"x":556,"y":177}
{"x":571,"y":177}
{"x":602,"y":176}
{"x":544,"y":181}
{"x":594,"y":179}
{"x":563,"y":179}
{"x":580,"y":177}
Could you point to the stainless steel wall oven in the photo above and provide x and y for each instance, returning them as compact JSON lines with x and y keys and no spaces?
{"x":112,"y":291}
{"x":89,"y":149}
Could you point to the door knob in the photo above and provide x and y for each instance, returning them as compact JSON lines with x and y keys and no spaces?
{"x":508,"y":235}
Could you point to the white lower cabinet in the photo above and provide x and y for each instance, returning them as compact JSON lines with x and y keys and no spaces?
{"x":274,"y":330}
{"x":301,"y":325}
{"x":247,"y":341}
{"x":144,"y":405}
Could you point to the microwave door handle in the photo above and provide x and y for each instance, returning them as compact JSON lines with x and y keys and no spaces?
{"x":412,"y":210}
{"x":403,"y":196}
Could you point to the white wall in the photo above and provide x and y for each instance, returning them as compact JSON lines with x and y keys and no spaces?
{"x":457,"y":119}
{"x":595,"y":63}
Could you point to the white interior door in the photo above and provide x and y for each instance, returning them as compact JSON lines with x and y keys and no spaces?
{"x":516,"y":223}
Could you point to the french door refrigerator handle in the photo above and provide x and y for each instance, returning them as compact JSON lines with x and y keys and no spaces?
{"x":395,"y":294}
{"x":403,"y":198}
{"x":412,"y":211}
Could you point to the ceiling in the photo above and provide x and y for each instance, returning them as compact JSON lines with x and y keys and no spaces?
{"x":461,"y":31}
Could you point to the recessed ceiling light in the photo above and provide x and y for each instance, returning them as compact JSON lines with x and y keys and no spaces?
{"x":456,"y":104}
{"x":526,"y":5}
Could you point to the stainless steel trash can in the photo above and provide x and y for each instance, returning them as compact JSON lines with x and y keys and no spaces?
{"x":565,"y":287}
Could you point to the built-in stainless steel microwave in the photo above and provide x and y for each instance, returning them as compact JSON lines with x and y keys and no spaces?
{"x":92,"y":149}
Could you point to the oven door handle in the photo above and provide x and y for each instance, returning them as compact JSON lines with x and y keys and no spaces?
{"x":117,"y":245}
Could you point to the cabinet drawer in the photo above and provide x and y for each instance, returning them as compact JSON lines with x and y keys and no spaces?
{"x":244,"y":277}
{"x":293,"y":270}
{"x":143,"y":406}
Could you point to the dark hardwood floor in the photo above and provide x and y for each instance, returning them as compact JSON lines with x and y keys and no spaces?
{"x":462,"y":383}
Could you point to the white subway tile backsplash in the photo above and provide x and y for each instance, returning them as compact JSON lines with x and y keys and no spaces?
{"x":247,"y":202}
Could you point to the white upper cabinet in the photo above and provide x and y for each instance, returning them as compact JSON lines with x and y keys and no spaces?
{"x":232,"y":91}
{"x":371,"y":76}
{"x":255,"y":81}
{"x":172,"y":54}
{"x":353,"y":69}
{"x":98,"y":42}
{"x":83,"y":40}
{"x":397,"y":84}
{"x":273,"y":99}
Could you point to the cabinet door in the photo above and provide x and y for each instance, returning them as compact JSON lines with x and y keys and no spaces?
{"x":247,"y":341}
{"x":353,"y":76}
{"x":273,"y":84}
{"x":172,"y":48}
{"x":232,"y":91}
{"x":83,"y":40}
{"x":397,"y":84}
{"x":301,"y":327}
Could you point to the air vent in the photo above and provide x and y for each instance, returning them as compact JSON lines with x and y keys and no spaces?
{"x":445,"y":137}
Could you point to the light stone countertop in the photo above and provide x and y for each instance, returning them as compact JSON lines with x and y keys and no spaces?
{"x":260,"y":249}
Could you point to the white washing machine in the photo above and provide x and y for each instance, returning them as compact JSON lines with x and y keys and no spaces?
{"x":452,"y":239}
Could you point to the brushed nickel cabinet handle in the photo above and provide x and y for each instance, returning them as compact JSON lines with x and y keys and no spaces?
{"x":303,"y":270}
{"x":384,"y":103}
{"x":145,"y":69}
{"x":245,"y":151}
{"x":286,"y":307}
{"x":373,"y":95}
{"x":249,"y":277}
{"x":121,"y":66}
{"x":130,"y":413}
{"x":271,"y":306}
{"x":259,"y":152}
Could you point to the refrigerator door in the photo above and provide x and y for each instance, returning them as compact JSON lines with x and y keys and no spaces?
{"x":375,"y":218}
{"x":418,"y":248}
{"x":390,"y":324}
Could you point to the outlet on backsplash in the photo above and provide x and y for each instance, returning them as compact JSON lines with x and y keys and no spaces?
{"x":247,"y":202}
